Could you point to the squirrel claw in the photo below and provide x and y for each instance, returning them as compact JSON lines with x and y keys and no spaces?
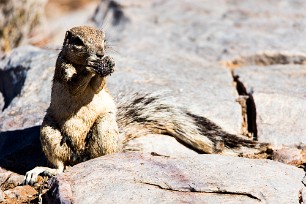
{"x":31,"y":176}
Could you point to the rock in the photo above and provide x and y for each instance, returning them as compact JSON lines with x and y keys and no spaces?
{"x":20,"y":194}
{"x":28,"y":72}
{"x":176,"y":46}
{"x":1,"y":101}
{"x":18,"y":20}
{"x":143,"y":178}
{"x":63,"y":15}
{"x":1,"y":196}
{"x":9,"y":178}
{"x":162,"y":54}
{"x":230,"y":29}
{"x":279,"y":93}
{"x":145,"y":64}
{"x":160,"y":144}
{"x":12,"y":190}
{"x":180,"y":48}
{"x":292,"y":156}
{"x":19,"y":147}
{"x":273,"y":71}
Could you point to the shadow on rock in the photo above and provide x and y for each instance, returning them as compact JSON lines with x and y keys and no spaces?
{"x":20,"y":150}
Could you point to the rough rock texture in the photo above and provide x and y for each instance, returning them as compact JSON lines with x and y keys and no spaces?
{"x":143,"y":178}
{"x":25,"y":84}
{"x":179,"y":51}
{"x":8,"y":177}
{"x":279,"y":93}
{"x":291,"y":155}
{"x":11,"y":190}
{"x":26,"y":76}
{"x":162,"y":54}
{"x":180,"y":46}
{"x":161,"y":144}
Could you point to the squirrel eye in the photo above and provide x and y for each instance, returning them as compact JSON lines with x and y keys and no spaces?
{"x":76,"y":41}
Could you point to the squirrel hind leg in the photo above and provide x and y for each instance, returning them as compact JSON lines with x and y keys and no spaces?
{"x":104,"y":137}
{"x":31,"y":176}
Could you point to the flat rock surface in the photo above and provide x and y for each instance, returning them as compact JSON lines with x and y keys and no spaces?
{"x":163,"y":53}
{"x":161,"y":144}
{"x":180,"y":46}
{"x":143,"y":178}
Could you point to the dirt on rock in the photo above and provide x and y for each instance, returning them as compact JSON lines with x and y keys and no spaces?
{"x":13,"y":191}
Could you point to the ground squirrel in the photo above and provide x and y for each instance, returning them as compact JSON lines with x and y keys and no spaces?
{"x":82,"y":121}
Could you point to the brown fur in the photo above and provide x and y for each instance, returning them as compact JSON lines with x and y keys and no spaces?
{"x":80,"y":123}
{"x":80,"y":103}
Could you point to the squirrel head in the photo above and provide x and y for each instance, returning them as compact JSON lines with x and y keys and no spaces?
{"x":82,"y":44}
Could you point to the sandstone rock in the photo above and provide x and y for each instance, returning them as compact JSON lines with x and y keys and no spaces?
{"x":143,"y":178}
{"x":274,"y":51}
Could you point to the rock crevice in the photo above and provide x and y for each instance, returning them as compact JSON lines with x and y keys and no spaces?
{"x":192,"y":189}
{"x":248,"y":109}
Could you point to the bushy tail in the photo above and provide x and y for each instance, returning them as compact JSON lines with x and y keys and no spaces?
{"x":155,"y":114}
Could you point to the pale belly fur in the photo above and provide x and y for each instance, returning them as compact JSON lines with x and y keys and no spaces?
{"x":76,"y":117}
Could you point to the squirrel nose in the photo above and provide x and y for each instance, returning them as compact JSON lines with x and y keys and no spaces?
{"x":100,"y":53}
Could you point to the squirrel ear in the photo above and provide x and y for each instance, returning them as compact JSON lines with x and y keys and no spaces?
{"x":67,"y":37}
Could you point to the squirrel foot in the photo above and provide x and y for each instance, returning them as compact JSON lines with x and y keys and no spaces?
{"x":31,"y":176}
